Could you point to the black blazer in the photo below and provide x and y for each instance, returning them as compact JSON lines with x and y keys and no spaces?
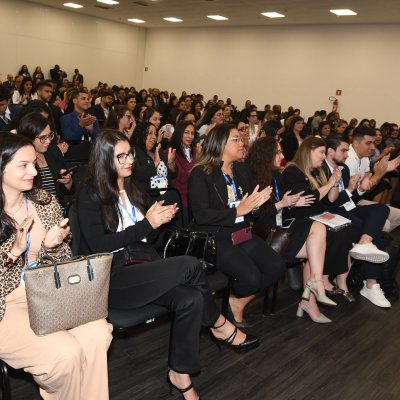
{"x":95,"y":236}
{"x":289,"y":145}
{"x":14,"y":111}
{"x":343,"y":196}
{"x":297,"y":181}
{"x":56,"y":162}
{"x":208,"y":199}
{"x":98,"y":112}
{"x":144,"y":168}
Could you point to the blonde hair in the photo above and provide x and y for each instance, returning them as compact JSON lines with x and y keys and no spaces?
{"x":302,"y":160}
{"x":213,"y":147}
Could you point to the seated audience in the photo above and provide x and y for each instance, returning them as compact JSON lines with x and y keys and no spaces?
{"x":212,"y":117}
{"x":24,"y":94}
{"x":308,"y":240}
{"x":362,"y":147}
{"x":305,"y":174}
{"x":113,"y":213}
{"x":292,"y":138}
{"x":120,"y":118}
{"x":8,"y":111}
{"x":68,"y":364}
{"x":50,"y":162}
{"x":153,"y":168}
{"x":224,"y":201}
{"x":369,"y":220}
{"x":78,"y":125}
{"x":186,"y":153}
{"x":102,"y":109}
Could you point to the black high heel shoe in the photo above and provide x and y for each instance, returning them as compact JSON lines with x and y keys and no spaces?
{"x":248,"y":343}
{"x":181,"y":391}
{"x":241,"y":325}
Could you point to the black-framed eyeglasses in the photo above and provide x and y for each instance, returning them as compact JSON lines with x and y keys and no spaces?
{"x":123,"y":157}
{"x":45,"y":138}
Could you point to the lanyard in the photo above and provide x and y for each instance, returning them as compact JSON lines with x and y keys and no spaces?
{"x":231,"y":182}
{"x":276,"y":192}
{"x":132,"y":215}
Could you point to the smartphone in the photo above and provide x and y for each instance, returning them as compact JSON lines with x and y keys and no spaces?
{"x":69,"y":170}
{"x":287,"y":223}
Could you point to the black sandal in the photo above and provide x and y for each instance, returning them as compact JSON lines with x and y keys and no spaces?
{"x":181,"y":391}
{"x":248,"y":343}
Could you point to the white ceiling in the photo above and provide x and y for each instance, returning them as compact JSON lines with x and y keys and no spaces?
{"x":240,"y":12}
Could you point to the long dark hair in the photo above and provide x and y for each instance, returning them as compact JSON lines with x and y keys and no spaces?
{"x":114,"y":116}
{"x":261,"y":160}
{"x":176,"y":139}
{"x":9,"y":145}
{"x":31,"y":125}
{"x":101,"y":177}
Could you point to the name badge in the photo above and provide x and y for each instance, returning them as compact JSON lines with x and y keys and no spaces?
{"x":234,"y":204}
{"x":279,"y":221}
{"x":349,"y":205}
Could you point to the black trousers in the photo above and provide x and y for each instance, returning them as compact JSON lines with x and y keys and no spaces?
{"x":369,"y":219}
{"x":253,"y":265}
{"x":179,"y":284}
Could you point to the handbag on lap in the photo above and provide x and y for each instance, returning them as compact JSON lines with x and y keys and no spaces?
{"x":64,"y":295}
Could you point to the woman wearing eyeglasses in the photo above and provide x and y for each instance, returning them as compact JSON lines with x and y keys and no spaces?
{"x":214,"y":116}
{"x":113,"y":213}
{"x":225,"y":201}
{"x":121,"y":119}
{"x":49,"y":160}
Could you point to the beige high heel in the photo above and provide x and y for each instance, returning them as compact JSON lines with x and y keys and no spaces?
{"x":321,"y":319}
{"x":321,"y":298}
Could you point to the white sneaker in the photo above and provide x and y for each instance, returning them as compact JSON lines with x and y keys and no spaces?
{"x":375,"y":295}
{"x":368,"y":252}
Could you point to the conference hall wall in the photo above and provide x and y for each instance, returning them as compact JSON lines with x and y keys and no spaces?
{"x":289,"y":65}
{"x":102,"y":50}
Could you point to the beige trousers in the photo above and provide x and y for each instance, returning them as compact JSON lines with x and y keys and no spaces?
{"x":67,"y":365}
{"x":393,"y":220}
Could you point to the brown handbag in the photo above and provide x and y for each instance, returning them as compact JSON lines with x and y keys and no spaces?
{"x":275,"y":236}
{"x":64,"y":295}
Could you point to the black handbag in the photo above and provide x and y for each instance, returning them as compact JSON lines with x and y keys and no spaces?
{"x":202,"y":245}
{"x":140,"y":252}
{"x":276,"y":237}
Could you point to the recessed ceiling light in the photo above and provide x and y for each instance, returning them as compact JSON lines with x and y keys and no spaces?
{"x":110,"y":2}
{"x":173,"y":19}
{"x":136,"y":20}
{"x":345,"y":11}
{"x":273,"y":15}
{"x":73,"y":5}
{"x":217,"y":17}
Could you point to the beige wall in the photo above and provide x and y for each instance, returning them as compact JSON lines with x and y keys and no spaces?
{"x":288,"y":65}
{"x":299,"y":65}
{"x":38,"y":35}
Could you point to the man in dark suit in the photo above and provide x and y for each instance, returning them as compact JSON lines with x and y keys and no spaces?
{"x":101,"y":110}
{"x":57,"y":75}
{"x":369,"y":219}
{"x":44,"y":92}
{"x":77,"y":76}
{"x":7,"y":111}
{"x":9,"y":84}
{"x":120,"y":96}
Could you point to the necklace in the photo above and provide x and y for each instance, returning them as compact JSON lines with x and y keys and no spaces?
{"x":12,"y":214}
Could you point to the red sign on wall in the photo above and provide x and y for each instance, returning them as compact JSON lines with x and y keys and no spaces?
{"x":338,"y":92}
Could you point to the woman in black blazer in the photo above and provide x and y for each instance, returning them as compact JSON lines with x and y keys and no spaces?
{"x":308,"y":237}
{"x":292,"y":138}
{"x":225,"y":201}
{"x":50,"y":161}
{"x":113,"y":213}
{"x":305,"y":174}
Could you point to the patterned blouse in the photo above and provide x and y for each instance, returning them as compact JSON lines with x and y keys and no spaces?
{"x":50,"y":214}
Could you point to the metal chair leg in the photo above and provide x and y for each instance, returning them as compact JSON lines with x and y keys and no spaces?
{"x":5,"y":381}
